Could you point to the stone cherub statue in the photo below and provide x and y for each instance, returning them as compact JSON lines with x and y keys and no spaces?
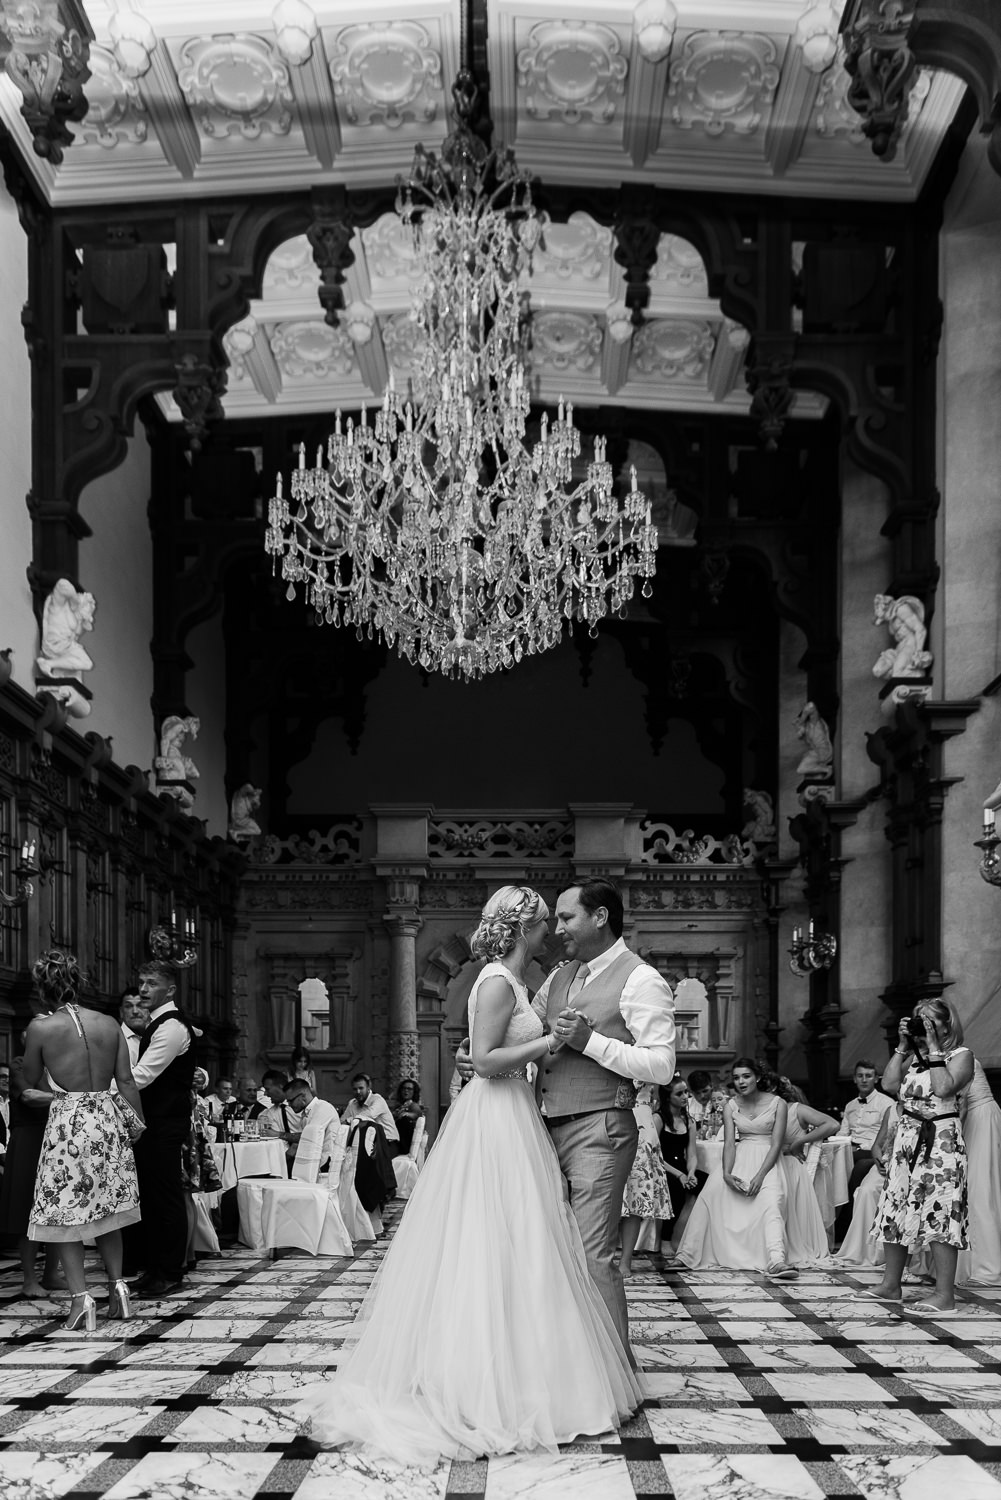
{"x":760,"y":827}
{"x":245,"y":802}
{"x":66,"y":615}
{"x":905,"y":620}
{"x":173,"y":768}
{"x":812,"y":730}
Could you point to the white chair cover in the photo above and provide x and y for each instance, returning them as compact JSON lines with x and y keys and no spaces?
{"x":356,"y":1220}
{"x":407,"y":1167}
{"x":306,"y":1215}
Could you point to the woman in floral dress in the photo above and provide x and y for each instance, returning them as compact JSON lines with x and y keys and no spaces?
{"x":924,"y":1198}
{"x":647,"y":1194}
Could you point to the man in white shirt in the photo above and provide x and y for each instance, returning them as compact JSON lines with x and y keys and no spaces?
{"x":279,"y":1120}
{"x":861,"y":1119}
{"x":133,"y":1013}
{"x":318,"y":1122}
{"x":367,"y":1105}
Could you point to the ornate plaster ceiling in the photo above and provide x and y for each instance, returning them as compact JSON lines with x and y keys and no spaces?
{"x":196,"y":99}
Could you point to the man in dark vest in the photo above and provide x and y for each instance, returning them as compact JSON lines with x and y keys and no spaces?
{"x":164,"y":1075}
{"x":615,"y":1014}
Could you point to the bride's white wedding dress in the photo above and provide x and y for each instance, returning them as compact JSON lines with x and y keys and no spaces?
{"x":482,"y":1332}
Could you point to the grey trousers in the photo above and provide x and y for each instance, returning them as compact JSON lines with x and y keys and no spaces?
{"x":596,"y":1155}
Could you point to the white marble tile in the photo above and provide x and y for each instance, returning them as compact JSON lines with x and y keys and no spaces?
{"x":664,"y":1331}
{"x":698,"y":1386}
{"x":194,"y":1476}
{"x":796,"y":1357}
{"x":723,"y":1307}
{"x":918,"y":1476}
{"x":42,"y":1308}
{"x":259,"y":1308}
{"x":214,"y":1328}
{"x":136,"y":1385}
{"x":722,"y":1427}
{"x":197,"y":1352}
{"x":30,"y":1382}
{"x":571,"y":1476}
{"x":735,"y":1291}
{"x":776,"y":1331}
{"x":43,"y":1476}
{"x":351,"y":1293}
{"x":859,"y":1331}
{"x":300,"y":1278}
{"x":209,"y":1425}
{"x":979,"y":1386}
{"x":86,"y":1424}
{"x":983,"y":1423}
{"x":830,"y":1386}
{"x":971,"y":1328}
{"x":830,"y":1291}
{"x":341,"y":1310}
{"x":919,"y":1357}
{"x":276,"y":1353}
{"x":840,"y":1427}
{"x":134,"y":1328}
{"x":285,"y":1385}
{"x":317,"y":1328}
{"x":352,"y":1476}
{"x":13,"y":1328}
{"x":678,"y":1356}
{"x":739,"y":1476}
{"x":61,"y":1353}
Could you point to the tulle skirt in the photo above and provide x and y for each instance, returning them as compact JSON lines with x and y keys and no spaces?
{"x":782,"y":1224}
{"x":482,"y":1332}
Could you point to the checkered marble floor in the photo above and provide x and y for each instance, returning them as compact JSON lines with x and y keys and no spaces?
{"x":756,"y":1390}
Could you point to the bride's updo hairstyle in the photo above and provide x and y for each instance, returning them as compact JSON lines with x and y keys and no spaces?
{"x":508,"y":912}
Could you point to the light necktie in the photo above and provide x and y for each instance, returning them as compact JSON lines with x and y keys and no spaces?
{"x":579,"y":980}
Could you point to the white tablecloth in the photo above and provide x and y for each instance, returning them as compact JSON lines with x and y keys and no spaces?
{"x":260,"y":1158}
{"x":302,"y":1214}
{"x":830,"y":1180}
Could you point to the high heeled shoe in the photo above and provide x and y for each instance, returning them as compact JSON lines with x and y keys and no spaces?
{"x":119,"y":1302}
{"x":85,"y":1314}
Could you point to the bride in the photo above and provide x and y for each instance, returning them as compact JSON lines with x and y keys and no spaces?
{"x":482,"y":1332}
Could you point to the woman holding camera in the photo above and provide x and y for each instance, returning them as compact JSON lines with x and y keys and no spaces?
{"x":924,"y":1199}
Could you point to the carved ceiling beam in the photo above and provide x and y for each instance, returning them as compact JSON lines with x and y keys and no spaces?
{"x":169,"y":113}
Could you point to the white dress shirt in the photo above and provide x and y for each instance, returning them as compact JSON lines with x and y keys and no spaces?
{"x":375,"y":1108}
{"x":320,"y":1124}
{"x":171,"y":1040}
{"x":279,"y":1119}
{"x":132,"y":1042}
{"x":862,"y":1121}
{"x":5,"y":1117}
{"x":647,"y":1007}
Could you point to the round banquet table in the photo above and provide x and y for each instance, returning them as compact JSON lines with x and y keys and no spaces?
{"x":260,"y":1158}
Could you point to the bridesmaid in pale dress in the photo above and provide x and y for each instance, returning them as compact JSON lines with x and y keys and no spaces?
{"x":980,"y":1117}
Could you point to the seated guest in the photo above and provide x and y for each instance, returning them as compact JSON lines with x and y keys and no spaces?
{"x":279,"y":1119}
{"x":406,"y":1112}
{"x":319,"y":1123}
{"x":370,"y":1120}
{"x":248,"y":1106}
{"x":222,"y":1102}
{"x":366,"y":1105}
{"x":861,"y":1119}
{"x":806,"y":1127}
{"x":705,"y":1105}
{"x":740,"y":1218}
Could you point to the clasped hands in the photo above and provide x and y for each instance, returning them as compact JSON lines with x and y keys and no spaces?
{"x":746,"y":1189}
{"x":571,"y":1030}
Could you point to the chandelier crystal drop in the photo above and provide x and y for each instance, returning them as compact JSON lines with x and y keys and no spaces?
{"x":432,"y":522}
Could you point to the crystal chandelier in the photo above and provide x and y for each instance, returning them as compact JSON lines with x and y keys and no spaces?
{"x":434,"y":524}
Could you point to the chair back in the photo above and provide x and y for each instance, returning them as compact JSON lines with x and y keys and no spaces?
{"x":416,"y":1145}
{"x":337,"y":1150}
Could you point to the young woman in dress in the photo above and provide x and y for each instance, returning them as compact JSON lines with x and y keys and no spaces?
{"x":924,"y":1200}
{"x":647,"y":1195}
{"x":679,"y":1148}
{"x":86,"y":1184}
{"x":806,"y":1198}
{"x":482,"y":1332}
{"x":739,"y":1217}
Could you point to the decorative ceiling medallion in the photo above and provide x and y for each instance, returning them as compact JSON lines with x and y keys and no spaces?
{"x":238,"y":342}
{"x":312,"y":349}
{"x":679,"y":267}
{"x":116,"y":112}
{"x":724,"y":80}
{"x":673,"y":349}
{"x":386,"y":75}
{"x":565,"y":341}
{"x":572,"y":69}
{"x":390,"y":251}
{"x":580,"y":249}
{"x":403,"y":341}
{"x":291,"y":268}
{"x":236,"y":85}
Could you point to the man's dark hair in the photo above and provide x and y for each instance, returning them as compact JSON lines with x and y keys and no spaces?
{"x":130,"y":992}
{"x":699,"y":1079}
{"x":276,"y":1078}
{"x":224,"y":1079}
{"x":362,"y":1078}
{"x":864,"y":1062}
{"x":600,"y":892}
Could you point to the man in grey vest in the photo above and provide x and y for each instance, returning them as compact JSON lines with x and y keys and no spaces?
{"x":615,"y":1015}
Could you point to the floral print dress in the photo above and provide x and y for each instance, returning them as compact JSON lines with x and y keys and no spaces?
{"x":924,"y":1197}
{"x":647,"y":1194}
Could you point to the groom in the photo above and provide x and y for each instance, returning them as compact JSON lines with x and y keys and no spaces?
{"x":615,"y":1016}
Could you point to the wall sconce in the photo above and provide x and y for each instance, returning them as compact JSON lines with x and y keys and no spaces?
{"x":815,"y":951}
{"x":171,"y":946}
{"x":990,"y":861}
{"x":23,"y":872}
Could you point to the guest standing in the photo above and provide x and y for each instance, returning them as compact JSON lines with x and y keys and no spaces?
{"x":647,"y":1195}
{"x":86,"y":1182}
{"x":924,"y":1199}
{"x":300,"y":1066}
{"x":164,"y":1076}
{"x":981,"y":1121}
{"x":679,"y":1148}
{"x":133,"y":1014}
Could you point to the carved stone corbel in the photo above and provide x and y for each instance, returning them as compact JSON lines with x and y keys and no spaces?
{"x":881,"y":65}
{"x":45,"y":51}
{"x":197,"y":393}
{"x":329,"y":236}
{"x":769,"y":380}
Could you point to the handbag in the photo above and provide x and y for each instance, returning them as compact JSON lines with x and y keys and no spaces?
{"x":134,"y":1125}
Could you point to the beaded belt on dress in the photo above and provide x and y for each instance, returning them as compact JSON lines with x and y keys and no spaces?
{"x":518,"y":1073}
